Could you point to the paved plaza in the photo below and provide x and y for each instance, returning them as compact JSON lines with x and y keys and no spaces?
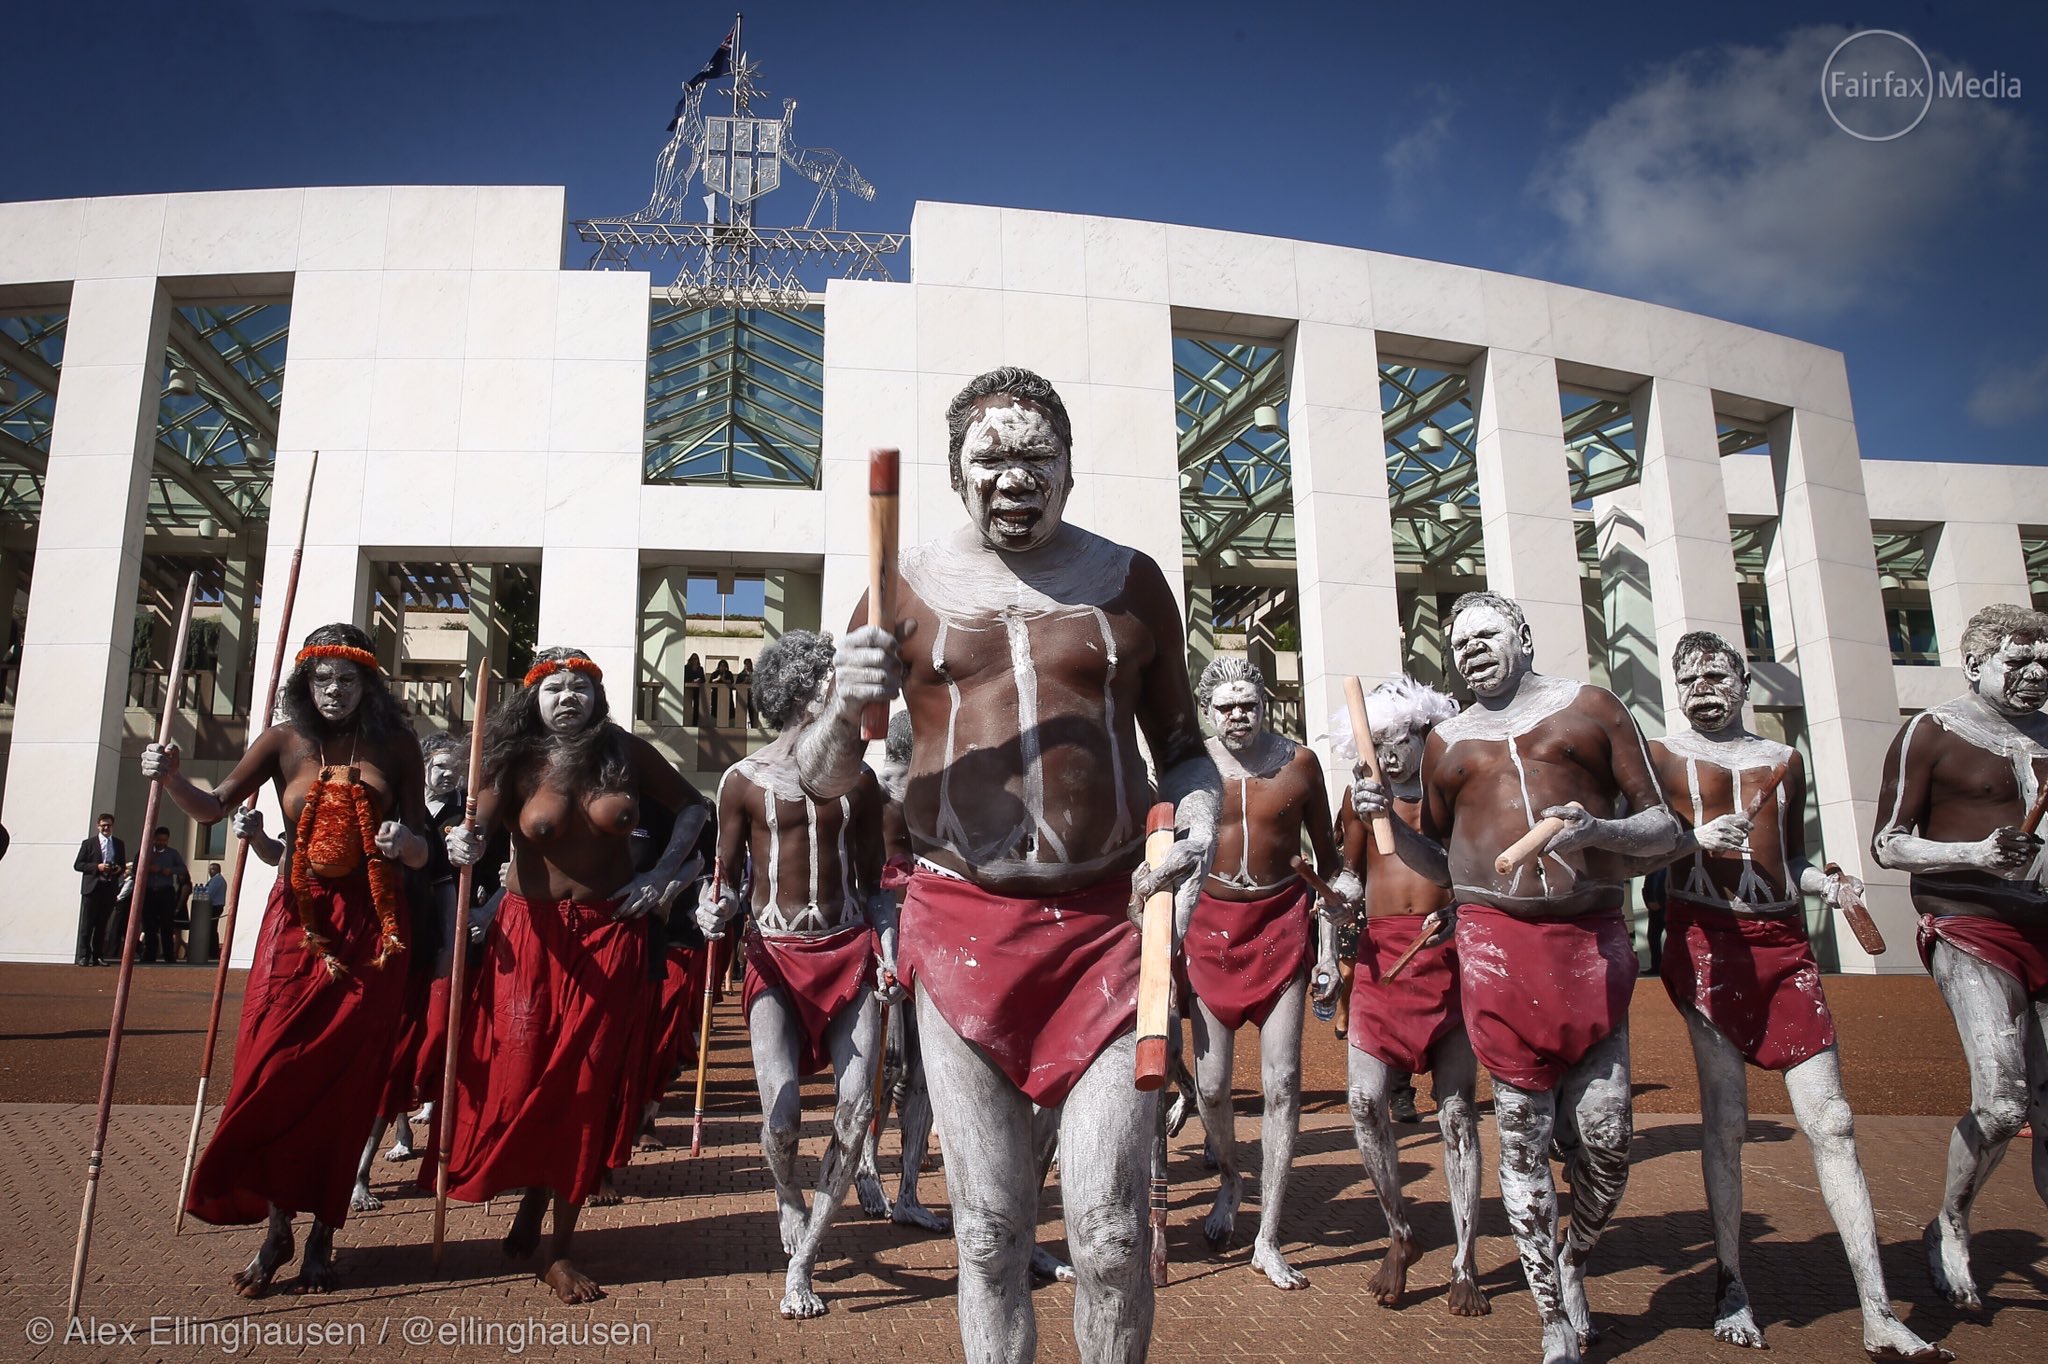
{"x":692,"y":1269}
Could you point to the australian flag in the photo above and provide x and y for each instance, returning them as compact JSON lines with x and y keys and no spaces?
{"x":719,"y":65}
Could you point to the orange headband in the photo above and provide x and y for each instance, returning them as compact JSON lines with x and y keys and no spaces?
{"x":555,"y":665}
{"x":314,"y":652}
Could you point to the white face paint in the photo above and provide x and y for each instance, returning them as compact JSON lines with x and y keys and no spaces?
{"x":2013,"y":680}
{"x":567,"y":701}
{"x":1237,"y":712}
{"x":1400,"y":753}
{"x":1711,"y":689}
{"x":1490,"y":651}
{"x":444,"y":774}
{"x":1015,"y":473}
{"x":337,"y":687}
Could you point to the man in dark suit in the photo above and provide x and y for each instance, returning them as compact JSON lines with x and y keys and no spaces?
{"x":98,"y":864}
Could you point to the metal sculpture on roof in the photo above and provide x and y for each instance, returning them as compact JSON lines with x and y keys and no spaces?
{"x":738,"y":158}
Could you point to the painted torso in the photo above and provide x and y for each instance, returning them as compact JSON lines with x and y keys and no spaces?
{"x":1026,"y":777}
{"x":1958,"y":772}
{"x":1704,"y":779}
{"x":1392,"y":887}
{"x":805,"y":853}
{"x":1266,"y":796}
{"x":567,"y":844}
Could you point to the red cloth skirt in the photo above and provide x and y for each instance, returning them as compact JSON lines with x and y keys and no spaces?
{"x":554,"y":1040}
{"x":2019,"y":950}
{"x":1753,"y":977}
{"x":1041,"y":985}
{"x":675,"y":1021}
{"x":311,"y":1057}
{"x":401,"y":1084}
{"x":1399,"y":1021}
{"x":1243,"y":954}
{"x":818,"y":977}
{"x":1539,"y":994}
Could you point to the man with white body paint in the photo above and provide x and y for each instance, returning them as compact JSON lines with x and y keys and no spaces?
{"x":811,"y":993}
{"x":1957,"y":783}
{"x":1738,"y":965}
{"x":1030,"y":653}
{"x":1415,"y":1022}
{"x":1546,"y":963}
{"x":1247,"y":947}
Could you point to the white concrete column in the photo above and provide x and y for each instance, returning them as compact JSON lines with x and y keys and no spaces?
{"x":1685,"y":521}
{"x":64,"y":761}
{"x":1628,"y":628}
{"x":1343,"y":531}
{"x":1844,"y":660}
{"x":1973,"y":564}
{"x":664,"y":647}
{"x":792,"y":599}
{"x":237,"y":626}
{"x":1532,"y":552}
{"x":590,"y":600}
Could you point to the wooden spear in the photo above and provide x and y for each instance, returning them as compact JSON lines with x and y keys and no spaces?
{"x":465,"y":891}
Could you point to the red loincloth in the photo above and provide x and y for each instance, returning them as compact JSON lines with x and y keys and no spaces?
{"x":554,"y":1041}
{"x":1041,"y":985}
{"x":1752,"y":976}
{"x":818,"y":977}
{"x":897,"y":871}
{"x":1538,"y":994}
{"x":1243,"y":954}
{"x":2019,"y":950}
{"x":311,"y":1057}
{"x":1399,"y":1021}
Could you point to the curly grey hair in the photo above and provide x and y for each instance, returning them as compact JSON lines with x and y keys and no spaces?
{"x":1222,"y":671}
{"x":441,"y":741}
{"x":1707,"y":644}
{"x":1018,"y":383}
{"x":1466,"y":601}
{"x":787,"y":674}
{"x":897,"y":749}
{"x":1991,"y":627}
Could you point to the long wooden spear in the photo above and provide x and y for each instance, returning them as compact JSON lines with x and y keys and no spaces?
{"x":128,"y":936}
{"x":465,"y":891}
{"x":258,"y":721}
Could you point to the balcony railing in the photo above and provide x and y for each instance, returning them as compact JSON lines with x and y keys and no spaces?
{"x":706,"y":704}
{"x":444,"y":698}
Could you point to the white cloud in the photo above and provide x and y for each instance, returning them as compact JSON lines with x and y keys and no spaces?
{"x":1721,"y":182}
{"x":2010,"y":395}
{"x":1417,"y":149}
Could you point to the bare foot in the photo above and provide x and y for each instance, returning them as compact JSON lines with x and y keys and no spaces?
{"x":1267,"y":1259}
{"x":1046,"y":1265}
{"x":271,"y":1256}
{"x":799,"y":1303}
{"x":793,"y":1217}
{"x":1391,"y":1281}
{"x":868,"y":1190}
{"x":1222,"y":1219}
{"x":1886,"y":1338}
{"x":524,"y":1238}
{"x":571,"y":1284}
{"x":1561,"y":1343}
{"x":1466,"y":1298}
{"x":316,"y":1270}
{"x":1948,"y":1261}
{"x":911,"y":1213}
{"x":650,"y":1140}
{"x":1733,"y":1321}
{"x":1571,"y":1286}
{"x":362,"y":1200}
{"x":607,"y":1195}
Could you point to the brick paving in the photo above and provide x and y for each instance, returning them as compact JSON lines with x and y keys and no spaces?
{"x":691,"y":1264}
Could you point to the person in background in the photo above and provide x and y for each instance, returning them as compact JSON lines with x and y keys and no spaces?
{"x":215,"y":893}
{"x":169,"y":881}
{"x":98,"y":864}
{"x":693,"y":687}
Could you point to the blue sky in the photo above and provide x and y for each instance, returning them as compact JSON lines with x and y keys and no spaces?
{"x":1674,"y":153}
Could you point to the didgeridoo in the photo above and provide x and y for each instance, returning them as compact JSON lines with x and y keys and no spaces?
{"x":1155,"y":962}
{"x":1530,"y":844}
{"x":1857,"y":915}
{"x":1369,"y":759}
{"x":1432,"y":924}
{"x":458,"y":968}
{"x":884,"y":479}
{"x":131,"y":930}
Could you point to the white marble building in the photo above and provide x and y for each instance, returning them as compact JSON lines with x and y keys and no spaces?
{"x":473,"y":400}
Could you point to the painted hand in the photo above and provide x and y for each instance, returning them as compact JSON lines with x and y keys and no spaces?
{"x":1350,"y":892}
{"x":401,"y":844}
{"x":866,"y":667}
{"x":160,"y":761}
{"x":1841,"y":889}
{"x":2005,"y":851}
{"x":888,"y":988}
{"x":1325,"y":982}
{"x":1724,"y":833}
{"x":465,"y":846}
{"x":1369,"y":798}
{"x":1580,"y":828}
{"x":641,"y":897}
{"x":1181,"y":862}
{"x":716,"y":906}
{"x":247,"y":823}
